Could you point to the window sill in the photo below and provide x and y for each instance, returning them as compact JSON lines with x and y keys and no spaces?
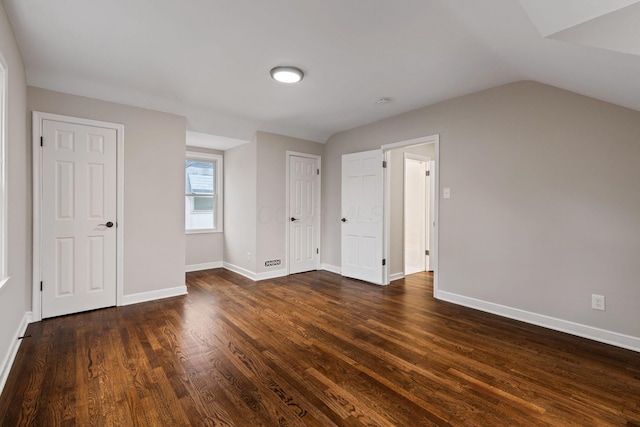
{"x":203,"y":231}
{"x":4,"y":282}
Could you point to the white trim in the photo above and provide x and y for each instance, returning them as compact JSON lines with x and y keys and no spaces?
{"x":219,"y":225}
{"x":271,"y":274}
{"x":241,"y":271}
{"x":154,"y":295}
{"x":318,"y":201}
{"x":204,"y":266}
{"x":386,"y":220}
{"x":4,"y":164}
{"x":332,"y":268}
{"x":37,"y":118}
{"x":584,"y":331}
{"x":432,"y":139}
{"x":396,"y":276}
{"x":10,"y":355}
{"x":409,"y":142}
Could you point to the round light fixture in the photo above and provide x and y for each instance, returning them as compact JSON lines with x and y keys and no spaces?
{"x":287,"y":74}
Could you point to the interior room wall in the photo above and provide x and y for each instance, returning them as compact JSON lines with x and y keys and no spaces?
{"x":240,"y":186}
{"x":204,"y":249}
{"x":544,"y":206}
{"x":271,"y":195}
{"x":396,"y":232}
{"x":154,"y":146}
{"x":15,"y":295}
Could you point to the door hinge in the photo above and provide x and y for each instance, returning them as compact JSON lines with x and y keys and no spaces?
{"x":384,"y":262}
{"x":384,"y":163}
{"x":426,"y":252}
{"x":318,"y":251}
{"x":41,"y":141}
{"x":428,"y":173}
{"x":40,"y":286}
{"x":317,"y":171}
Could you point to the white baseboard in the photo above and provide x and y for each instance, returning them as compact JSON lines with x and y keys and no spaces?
{"x":331,"y":268}
{"x":154,"y":295}
{"x":204,"y":266}
{"x":396,"y":276}
{"x":271,"y":274}
{"x":584,"y":331}
{"x":10,"y":356}
{"x":241,"y":271}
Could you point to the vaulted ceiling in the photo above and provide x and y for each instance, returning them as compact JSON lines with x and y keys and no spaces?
{"x":209,"y":60}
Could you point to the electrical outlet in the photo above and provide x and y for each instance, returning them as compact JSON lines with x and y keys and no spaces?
{"x":248,"y":256}
{"x":597,"y":302}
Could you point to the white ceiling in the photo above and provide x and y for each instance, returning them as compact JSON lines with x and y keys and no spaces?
{"x":209,"y":60}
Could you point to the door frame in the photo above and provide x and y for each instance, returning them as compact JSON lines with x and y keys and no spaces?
{"x":318,"y":203}
{"x":37,"y":119}
{"x":386,"y":155}
{"x":410,"y":156}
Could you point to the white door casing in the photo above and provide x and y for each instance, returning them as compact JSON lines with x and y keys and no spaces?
{"x":77,"y":192}
{"x":304,"y":213}
{"x":433,"y":252}
{"x":362,"y":216}
{"x":415,"y":215}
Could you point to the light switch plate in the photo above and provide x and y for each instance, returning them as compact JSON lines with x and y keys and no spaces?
{"x":446,"y":193}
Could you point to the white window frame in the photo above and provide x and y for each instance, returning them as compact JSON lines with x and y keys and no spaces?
{"x":218,"y":160}
{"x":4,"y":88}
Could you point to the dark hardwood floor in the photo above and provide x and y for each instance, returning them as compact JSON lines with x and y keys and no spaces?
{"x":312,"y":349}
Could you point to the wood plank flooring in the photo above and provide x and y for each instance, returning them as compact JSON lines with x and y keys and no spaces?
{"x":312,"y":349}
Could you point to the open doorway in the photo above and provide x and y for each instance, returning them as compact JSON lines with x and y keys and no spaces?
{"x":411,"y":221}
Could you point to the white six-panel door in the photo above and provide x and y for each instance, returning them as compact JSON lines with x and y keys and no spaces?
{"x":362,"y":216}
{"x":304,"y":183}
{"x":415,"y":215}
{"x":78,"y":205}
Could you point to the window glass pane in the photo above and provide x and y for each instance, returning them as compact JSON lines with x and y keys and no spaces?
{"x":200,"y":177}
{"x":196,"y":218}
{"x":203,"y":204}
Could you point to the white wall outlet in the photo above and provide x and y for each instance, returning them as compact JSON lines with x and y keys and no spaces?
{"x":446,"y":193}
{"x":597,"y":302}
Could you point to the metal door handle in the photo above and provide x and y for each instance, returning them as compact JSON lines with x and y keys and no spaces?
{"x":293,"y":219}
{"x":344,"y":220}
{"x":108,"y":224}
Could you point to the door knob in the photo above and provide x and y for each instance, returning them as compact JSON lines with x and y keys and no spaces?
{"x":108,"y":224}
{"x":344,"y":220}
{"x":293,"y":219}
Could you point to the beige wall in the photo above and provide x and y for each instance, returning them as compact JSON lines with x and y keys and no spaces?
{"x":204,"y":248}
{"x":396,"y":231}
{"x":240,"y":206}
{"x":544,"y":202}
{"x":15,"y":296}
{"x":154,"y":145}
{"x":271,"y":193}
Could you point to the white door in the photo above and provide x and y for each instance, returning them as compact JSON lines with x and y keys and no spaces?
{"x":415,"y":216}
{"x":78,"y":218}
{"x":362,"y":216}
{"x":304,"y":221}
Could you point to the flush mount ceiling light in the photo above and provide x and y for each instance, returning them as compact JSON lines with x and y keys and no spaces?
{"x":287,"y":74}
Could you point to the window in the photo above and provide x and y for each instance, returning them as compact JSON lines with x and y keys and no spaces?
{"x":203,"y":192}
{"x":4,"y":276}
